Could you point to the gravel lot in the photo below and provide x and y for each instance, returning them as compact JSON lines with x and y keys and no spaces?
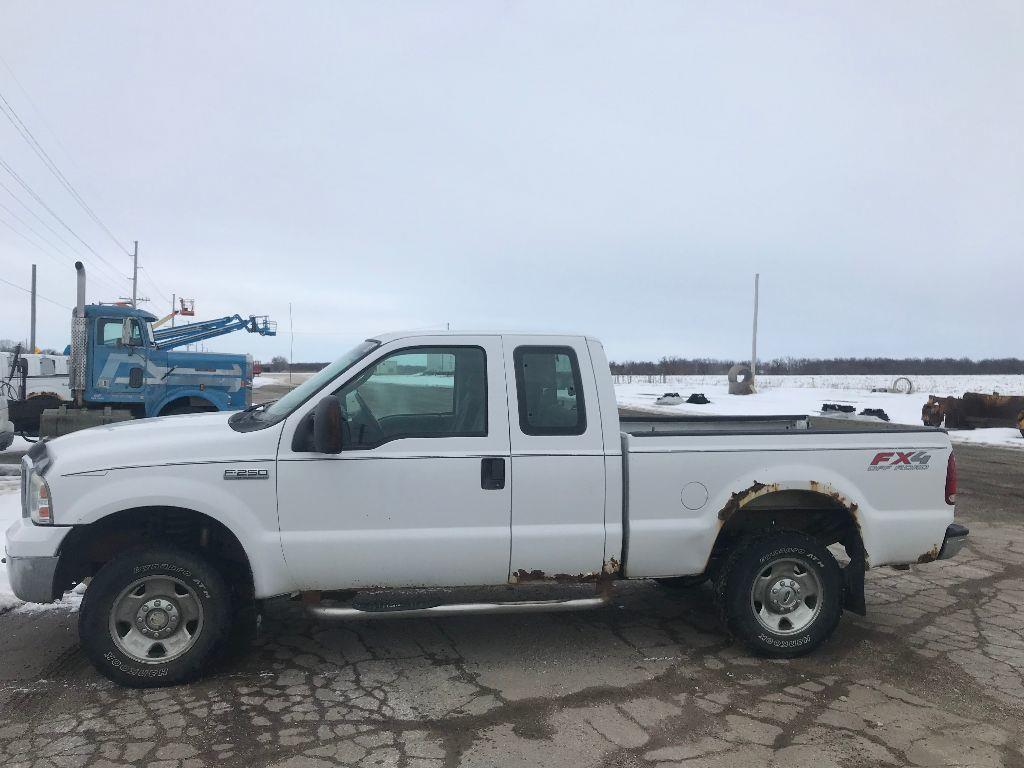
{"x":933,"y":676}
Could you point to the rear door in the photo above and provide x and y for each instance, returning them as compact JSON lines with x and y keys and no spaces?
{"x":558,"y":503}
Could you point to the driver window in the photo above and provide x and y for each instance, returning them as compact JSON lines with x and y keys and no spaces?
{"x":110,"y":333}
{"x":420,"y":392}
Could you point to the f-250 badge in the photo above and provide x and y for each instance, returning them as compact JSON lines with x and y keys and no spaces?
{"x":246,"y":474}
{"x":900,"y":460}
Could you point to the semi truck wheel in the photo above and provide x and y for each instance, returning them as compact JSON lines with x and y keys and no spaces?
{"x":781,"y":595}
{"x":153,"y":617}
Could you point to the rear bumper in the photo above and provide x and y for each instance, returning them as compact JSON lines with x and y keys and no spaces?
{"x":956,"y":537}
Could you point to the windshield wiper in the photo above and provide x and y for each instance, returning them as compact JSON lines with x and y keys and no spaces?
{"x":257,"y":406}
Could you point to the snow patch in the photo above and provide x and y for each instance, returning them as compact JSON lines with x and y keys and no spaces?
{"x":804,"y":395}
{"x":10,"y":511}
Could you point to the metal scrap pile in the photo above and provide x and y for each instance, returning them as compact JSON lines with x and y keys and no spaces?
{"x":974,"y":410}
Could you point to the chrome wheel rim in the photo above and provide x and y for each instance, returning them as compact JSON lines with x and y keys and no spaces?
{"x":156,"y":619}
{"x":786,"y":596}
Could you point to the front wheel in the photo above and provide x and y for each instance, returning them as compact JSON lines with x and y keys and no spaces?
{"x":781,"y":595}
{"x":154,"y":617}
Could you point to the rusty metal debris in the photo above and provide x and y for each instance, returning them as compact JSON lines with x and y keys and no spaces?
{"x":974,"y":410}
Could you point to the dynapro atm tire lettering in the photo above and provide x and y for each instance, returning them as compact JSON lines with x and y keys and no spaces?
{"x":900,"y":460}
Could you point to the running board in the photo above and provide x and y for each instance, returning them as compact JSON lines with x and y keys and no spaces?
{"x":456,"y":609}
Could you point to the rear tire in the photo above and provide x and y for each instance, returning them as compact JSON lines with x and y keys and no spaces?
{"x":154,"y":617}
{"x":781,"y":595}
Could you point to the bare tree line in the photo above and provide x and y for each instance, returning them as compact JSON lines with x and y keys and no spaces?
{"x":793,"y":366}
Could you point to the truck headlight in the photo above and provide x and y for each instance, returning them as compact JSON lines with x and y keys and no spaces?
{"x":40,"y":507}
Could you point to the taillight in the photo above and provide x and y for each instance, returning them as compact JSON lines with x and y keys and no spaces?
{"x":951,"y":479}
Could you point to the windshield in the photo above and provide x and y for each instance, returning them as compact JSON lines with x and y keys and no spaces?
{"x":281,"y":408}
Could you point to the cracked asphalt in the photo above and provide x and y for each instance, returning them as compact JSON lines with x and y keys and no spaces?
{"x":934,"y":676}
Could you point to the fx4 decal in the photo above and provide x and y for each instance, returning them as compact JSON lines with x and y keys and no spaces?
{"x":246,"y":474}
{"x":900,"y":460}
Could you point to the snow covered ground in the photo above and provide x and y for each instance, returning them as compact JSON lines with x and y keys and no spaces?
{"x":265,"y":379}
{"x":10,"y":510}
{"x":792,"y":395}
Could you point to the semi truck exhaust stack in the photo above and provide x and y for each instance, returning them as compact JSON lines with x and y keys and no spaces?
{"x":78,"y":341}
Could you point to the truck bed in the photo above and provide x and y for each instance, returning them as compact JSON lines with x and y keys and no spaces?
{"x":639,"y":425}
{"x":685,"y":476}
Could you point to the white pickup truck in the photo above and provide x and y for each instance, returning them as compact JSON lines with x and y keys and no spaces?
{"x":457,"y":460}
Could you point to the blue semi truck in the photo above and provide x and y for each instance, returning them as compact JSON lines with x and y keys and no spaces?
{"x":121,"y":367}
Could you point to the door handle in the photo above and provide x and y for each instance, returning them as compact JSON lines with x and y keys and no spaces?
{"x":492,"y":474}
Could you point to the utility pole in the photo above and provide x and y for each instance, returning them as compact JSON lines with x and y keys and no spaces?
{"x":32,"y":332}
{"x":174,"y":306}
{"x":135,"y":276}
{"x":291,"y":346}
{"x":753,"y":346}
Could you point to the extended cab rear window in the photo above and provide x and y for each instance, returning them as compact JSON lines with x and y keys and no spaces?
{"x":550,"y":391}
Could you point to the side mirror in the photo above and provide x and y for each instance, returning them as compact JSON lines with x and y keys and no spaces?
{"x":327,"y":425}
{"x":126,"y":332}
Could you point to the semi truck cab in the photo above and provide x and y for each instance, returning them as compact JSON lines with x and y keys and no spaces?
{"x":125,"y":366}
{"x":121,"y":367}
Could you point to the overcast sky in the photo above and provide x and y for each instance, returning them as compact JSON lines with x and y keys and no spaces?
{"x":620,"y":169}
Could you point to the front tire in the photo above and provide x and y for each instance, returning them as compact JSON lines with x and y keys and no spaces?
{"x":154,"y":617}
{"x":781,"y":595}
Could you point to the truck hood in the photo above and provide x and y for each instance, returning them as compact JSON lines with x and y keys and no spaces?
{"x":195,"y":438}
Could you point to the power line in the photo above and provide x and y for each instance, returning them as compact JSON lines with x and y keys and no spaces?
{"x":38,"y":199}
{"x":29,"y":137}
{"x":38,"y":295}
{"x":152,"y":282}
{"x":105,"y":277}
{"x":33,"y":230}
{"x":99,"y":276}
{"x":38,"y":218}
{"x":39,"y":112}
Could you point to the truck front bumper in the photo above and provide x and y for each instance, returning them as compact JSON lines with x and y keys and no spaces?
{"x":32,"y":577}
{"x":32,"y":559}
{"x":956,"y":537}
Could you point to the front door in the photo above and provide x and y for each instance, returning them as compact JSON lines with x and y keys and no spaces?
{"x":112,"y":362}
{"x":421,"y":493}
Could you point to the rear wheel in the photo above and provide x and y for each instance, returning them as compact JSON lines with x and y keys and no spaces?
{"x":781,"y":595}
{"x":154,"y":617}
